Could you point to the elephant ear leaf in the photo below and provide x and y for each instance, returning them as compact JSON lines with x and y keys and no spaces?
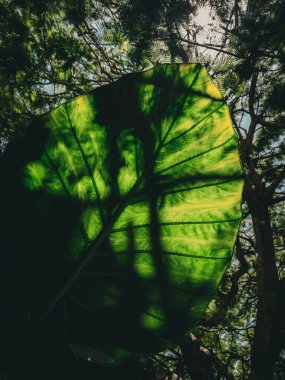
{"x":135,"y":189}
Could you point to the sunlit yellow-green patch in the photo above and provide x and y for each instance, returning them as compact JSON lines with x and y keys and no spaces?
{"x":152,"y":319}
{"x":35,"y":175}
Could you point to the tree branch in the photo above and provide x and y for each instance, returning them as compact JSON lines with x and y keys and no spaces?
{"x":211,"y":47}
{"x":278,"y":179}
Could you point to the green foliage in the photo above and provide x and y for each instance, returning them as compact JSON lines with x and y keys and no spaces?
{"x":51,"y":52}
{"x":137,"y":185}
{"x":157,"y":20}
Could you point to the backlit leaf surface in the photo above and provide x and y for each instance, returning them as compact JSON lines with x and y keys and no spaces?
{"x":142,"y":177}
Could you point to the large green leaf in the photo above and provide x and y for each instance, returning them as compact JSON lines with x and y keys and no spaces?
{"x":134,"y":189}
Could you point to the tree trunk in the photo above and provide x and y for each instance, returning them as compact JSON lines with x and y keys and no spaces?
{"x":202,"y":363}
{"x":265,"y":343}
